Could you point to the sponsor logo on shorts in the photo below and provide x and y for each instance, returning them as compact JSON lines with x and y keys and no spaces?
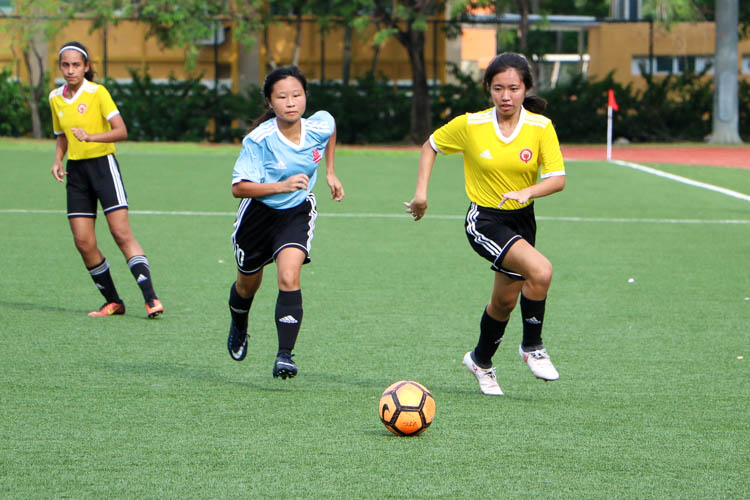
{"x":526,"y":154}
{"x":82,"y":108}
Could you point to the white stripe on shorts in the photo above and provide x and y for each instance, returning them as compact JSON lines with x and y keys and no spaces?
{"x":493,"y":248}
{"x":122,"y":201}
{"x":313,"y":216}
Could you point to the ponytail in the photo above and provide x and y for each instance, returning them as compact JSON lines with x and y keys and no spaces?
{"x":265,"y":116}
{"x":535,"y":104}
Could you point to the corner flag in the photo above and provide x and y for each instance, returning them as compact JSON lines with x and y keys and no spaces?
{"x":611,"y":106}
{"x":611,"y":100}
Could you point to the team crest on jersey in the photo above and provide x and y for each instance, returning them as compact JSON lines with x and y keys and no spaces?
{"x":82,"y":108}
{"x":316,"y":156}
{"x":525,"y":155}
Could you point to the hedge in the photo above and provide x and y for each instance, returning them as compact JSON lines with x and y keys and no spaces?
{"x":374,"y":111}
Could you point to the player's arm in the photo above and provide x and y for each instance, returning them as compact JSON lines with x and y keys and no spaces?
{"x":61,"y":147}
{"x":119,"y":132}
{"x":548,"y":186}
{"x":418,"y":205}
{"x":337,"y":189}
{"x":247,"y":189}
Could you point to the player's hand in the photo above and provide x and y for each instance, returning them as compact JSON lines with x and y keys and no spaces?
{"x":80,"y":134}
{"x":58,"y":172}
{"x":416,"y":207}
{"x":337,"y":189}
{"x":521,"y":197}
{"x":296,"y":183}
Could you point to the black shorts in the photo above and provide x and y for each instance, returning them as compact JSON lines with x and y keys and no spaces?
{"x":261,"y":232}
{"x":92,"y":180}
{"x":491,"y":232}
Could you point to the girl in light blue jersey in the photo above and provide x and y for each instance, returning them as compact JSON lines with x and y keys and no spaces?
{"x":274,"y":175}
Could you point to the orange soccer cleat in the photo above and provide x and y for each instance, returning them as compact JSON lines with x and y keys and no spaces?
{"x":154,"y":308}
{"x":109,"y":309}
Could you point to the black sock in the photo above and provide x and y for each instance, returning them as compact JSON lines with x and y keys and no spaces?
{"x":239,"y":308}
{"x":138,"y":265}
{"x":532,"y":312}
{"x":288,"y":319}
{"x":490,"y":334}
{"x":103,"y":281}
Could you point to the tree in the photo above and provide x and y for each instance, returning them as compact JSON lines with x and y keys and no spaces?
{"x":32,"y":25}
{"x":730,"y":20}
{"x":726,"y":98}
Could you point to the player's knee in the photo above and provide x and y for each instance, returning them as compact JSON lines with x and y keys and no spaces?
{"x":541,"y":276}
{"x":502,"y":306}
{"x":84,"y":244}
{"x":288,"y":280}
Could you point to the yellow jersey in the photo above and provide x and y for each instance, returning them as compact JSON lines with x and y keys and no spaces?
{"x":90,"y":108}
{"x":495,"y":164}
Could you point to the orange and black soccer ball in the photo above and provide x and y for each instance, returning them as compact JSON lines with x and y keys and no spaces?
{"x":406,"y":408}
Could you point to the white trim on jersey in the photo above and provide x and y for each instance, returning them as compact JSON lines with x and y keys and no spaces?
{"x":434,"y":146}
{"x":283,"y":138}
{"x":556,"y":173}
{"x":516,"y":131}
{"x":112,"y":114}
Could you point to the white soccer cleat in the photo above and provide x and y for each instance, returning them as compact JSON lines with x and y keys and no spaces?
{"x":485,"y":376}
{"x":539,"y":363}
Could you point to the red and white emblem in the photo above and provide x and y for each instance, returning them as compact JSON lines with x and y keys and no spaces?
{"x":82,"y":108}
{"x":316,"y":156}
{"x":525,"y":155}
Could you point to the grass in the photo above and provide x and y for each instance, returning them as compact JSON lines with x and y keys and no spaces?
{"x":653,"y":400}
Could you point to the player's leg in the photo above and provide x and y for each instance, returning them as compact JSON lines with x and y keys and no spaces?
{"x":289,"y":311}
{"x":241,"y":296}
{"x":537,"y":271}
{"x":84,"y":237}
{"x":119,"y":226}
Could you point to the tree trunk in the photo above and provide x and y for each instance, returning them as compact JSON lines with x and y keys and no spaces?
{"x":346,"y":59}
{"x":35,"y":90}
{"x":298,"y":37}
{"x":726,"y":99}
{"x":523,"y":28}
{"x":270,"y":61}
{"x":421,"y":113}
{"x":374,"y":62}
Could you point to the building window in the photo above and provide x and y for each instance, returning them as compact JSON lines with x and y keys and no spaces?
{"x":665,"y":65}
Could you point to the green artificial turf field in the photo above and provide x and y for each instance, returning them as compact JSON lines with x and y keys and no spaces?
{"x":653,"y":399}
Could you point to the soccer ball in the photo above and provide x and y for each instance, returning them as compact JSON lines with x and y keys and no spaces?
{"x":406,"y":408}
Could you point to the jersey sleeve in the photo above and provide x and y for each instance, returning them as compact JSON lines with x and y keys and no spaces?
{"x":107,"y":105}
{"x":249,"y":165}
{"x":321,"y":126}
{"x":56,"y":127}
{"x":550,"y":155}
{"x":451,"y":137}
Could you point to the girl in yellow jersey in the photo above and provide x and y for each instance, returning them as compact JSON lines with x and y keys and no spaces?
{"x":87,"y":123}
{"x":504,"y":148}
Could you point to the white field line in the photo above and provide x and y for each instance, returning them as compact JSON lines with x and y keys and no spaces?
{"x":402,"y":216}
{"x":684,"y":180}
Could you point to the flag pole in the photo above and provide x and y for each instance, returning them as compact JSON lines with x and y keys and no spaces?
{"x":609,"y":133}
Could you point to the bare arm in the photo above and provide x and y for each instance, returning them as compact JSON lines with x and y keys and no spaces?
{"x":337,"y":190}
{"x":418,"y":205}
{"x":247,"y":189}
{"x":548,"y":186}
{"x":61,"y":147}
{"x":119,"y":132}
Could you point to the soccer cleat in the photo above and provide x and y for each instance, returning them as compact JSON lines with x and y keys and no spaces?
{"x":485,"y":376}
{"x":539,"y":363}
{"x":237,"y":343}
{"x":109,"y":309}
{"x":284,"y":367}
{"x":154,"y":308}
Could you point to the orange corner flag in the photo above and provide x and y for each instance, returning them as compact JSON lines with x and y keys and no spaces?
{"x":611,"y":100}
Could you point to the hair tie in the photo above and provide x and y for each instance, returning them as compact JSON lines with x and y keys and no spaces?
{"x":73,"y":47}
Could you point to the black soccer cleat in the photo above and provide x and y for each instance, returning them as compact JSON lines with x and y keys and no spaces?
{"x":237,"y":343}
{"x":284,"y":367}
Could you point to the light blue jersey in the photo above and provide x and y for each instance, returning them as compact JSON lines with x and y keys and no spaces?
{"x":267,"y":156}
